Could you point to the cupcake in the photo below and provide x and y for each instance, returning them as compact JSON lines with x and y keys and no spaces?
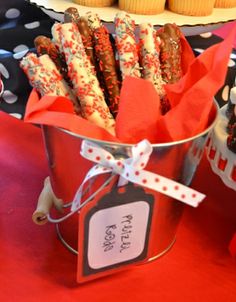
{"x":225,"y":3}
{"x":191,"y":7}
{"x":95,"y":3}
{"x":142,"y":7}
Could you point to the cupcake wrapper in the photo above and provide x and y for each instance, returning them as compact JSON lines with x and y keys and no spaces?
{"x":95,"y":3}
{"x":225,"y":3}
{"x":192,"y":7}
{"x":150,"y":7}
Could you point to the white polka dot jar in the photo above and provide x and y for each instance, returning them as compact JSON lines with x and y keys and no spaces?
{"x":222,"y":160}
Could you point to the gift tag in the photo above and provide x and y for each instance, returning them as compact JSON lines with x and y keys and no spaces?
{"x":114,"y":230}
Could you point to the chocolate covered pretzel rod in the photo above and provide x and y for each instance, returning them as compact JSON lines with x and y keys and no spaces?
{"x":170,"y":53}
{"x":44,"y":76}
{"x":106,"y":61}
{"x":85,"y":82}
{"x":126,"y":45}
{"x":48,"y":63}
{"x":149,"y":57}
{"x":44,"y":45}
{"x":87,"y":38}
{"x":71,"y":15}
{"x":93,"y":20}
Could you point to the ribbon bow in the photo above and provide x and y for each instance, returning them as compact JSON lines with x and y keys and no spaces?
{"x":132,"y":169}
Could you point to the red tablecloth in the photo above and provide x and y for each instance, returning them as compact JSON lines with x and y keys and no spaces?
{"x":35,"y":266}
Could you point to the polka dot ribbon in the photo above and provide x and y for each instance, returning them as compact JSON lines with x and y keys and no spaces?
{"x":132,"y":169}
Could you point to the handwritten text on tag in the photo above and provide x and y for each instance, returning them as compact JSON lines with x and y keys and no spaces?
{"x":117,"y":234}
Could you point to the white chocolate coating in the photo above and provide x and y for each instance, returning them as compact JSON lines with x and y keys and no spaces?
{"x":126,"y":45}
{"x":150,"y":57}
{"x":85,"y":82}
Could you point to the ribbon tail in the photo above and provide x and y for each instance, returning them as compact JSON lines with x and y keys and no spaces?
{"x":94,"y":171}
{"x":165,"y":186}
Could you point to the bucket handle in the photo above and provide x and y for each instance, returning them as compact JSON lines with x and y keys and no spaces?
{"x":47,"y":201}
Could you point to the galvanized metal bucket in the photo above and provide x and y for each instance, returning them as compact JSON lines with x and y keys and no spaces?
{"x":176,"y":160}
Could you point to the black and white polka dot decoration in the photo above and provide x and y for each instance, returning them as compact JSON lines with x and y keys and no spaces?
{"x":20,"y":23}
{"x":32,"y":25}
{"x":201,"y":42}
{"x":12,"y":13}
{"x":3,"y":71}
{"x":20,"y":51}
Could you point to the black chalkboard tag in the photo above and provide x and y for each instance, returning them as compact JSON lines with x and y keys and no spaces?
{"x":114,"y":230}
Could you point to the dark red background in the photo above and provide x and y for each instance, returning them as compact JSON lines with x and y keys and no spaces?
{"x":35,"y":266}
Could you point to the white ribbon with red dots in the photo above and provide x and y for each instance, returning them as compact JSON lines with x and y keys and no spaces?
{"x":132,"y":169}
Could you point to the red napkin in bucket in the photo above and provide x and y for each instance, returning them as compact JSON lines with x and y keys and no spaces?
{"x":58,"y":111}
{"x":138,"y":118}
{"x":191,"y":99}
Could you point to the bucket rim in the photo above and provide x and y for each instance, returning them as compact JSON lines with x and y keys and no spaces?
{"x":215,"y":106}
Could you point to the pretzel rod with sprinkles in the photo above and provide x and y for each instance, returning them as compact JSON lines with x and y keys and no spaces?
{"x":149,"y":57}
{"x":87,"y":38}
{"x":56,"y":36}
{"x":44,"y":45}
{"x":46,"y":61}
{"x":170,"y":58}
{"x":106,"y":61}
{"x":44,"y":76}
{"x":126,"y":45}
{"x":93,"y":20}
{"x":85,"y":82}
{"x":71,"y":15}
{"x":170,"y":53}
